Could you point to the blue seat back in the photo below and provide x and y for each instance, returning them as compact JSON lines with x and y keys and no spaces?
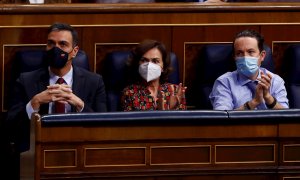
{"x":213,"y":61}
{"x":116,"y":74}
{"x":29,"y":60}
{"x":291,"y":74}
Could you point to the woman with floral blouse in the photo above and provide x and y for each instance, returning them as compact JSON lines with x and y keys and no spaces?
{"x":150,"y":90}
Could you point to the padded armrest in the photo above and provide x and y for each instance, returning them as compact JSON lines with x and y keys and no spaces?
{"x":197,"y":117}
{"x":265,"y":116}
{"x":137,"y":117}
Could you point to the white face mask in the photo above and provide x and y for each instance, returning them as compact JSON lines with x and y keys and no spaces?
{"x":149,"y":71}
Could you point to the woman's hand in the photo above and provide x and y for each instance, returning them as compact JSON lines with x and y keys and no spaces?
{"x":176,"y":96}
{"x":175,"y":99}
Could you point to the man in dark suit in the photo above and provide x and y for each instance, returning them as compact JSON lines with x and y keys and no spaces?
{"x":37,"y":91}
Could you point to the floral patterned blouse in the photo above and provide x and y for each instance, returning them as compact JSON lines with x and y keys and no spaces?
{"x":137,"y":97}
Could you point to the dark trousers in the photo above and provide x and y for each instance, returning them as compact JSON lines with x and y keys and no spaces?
{"x":10,"y":161}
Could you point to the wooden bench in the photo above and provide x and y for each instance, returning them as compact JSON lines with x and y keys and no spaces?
{"x":168,"y":145}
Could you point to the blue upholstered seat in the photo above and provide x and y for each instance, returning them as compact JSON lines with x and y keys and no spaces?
{"x":29,"y":60}
{"x":215,"y":60}
{"x":291,"y":74}
{"x":116,"y":76}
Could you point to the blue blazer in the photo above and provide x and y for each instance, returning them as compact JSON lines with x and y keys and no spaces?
{"x":88,"y":86}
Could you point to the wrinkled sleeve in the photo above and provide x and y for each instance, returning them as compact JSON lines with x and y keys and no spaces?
{"x":220,"y":96}
{"x":279,"y":92}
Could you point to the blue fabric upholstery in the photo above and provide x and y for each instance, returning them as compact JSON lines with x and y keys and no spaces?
{"x":115,"y":76}
{"x":268,"y":63}
{"x":29,"y":60}
{"x":174,"y":76}
{"x":265,"y":116}
{"x":291,"y":74}
{"x":199,"y":117}
{"x":134,"y":117}
{"x":215,"y":60}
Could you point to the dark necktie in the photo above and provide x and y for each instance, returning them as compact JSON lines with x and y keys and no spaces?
{"x":252,"y":87}
{"x":59,"y":107}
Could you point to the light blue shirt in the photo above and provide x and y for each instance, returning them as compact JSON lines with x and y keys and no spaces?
{"x":53,"y":78}
{"x":230,"y":91}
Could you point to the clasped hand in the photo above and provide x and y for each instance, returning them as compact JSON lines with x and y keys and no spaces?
{"x":176,"y":96}
{"x":61,"y":93}
{"x":262,"y":92}
{"x":57,"y":93}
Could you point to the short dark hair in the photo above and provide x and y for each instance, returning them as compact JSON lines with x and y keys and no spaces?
{"x":65,"y":27}
{"x":253,"y":34}
{"x":142,"y":48}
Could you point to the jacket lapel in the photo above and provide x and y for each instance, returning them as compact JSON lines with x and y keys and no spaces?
{"x":42,"y":85}
{"x":78,"y":84}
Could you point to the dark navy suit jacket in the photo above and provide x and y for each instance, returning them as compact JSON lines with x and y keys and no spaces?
{"x":88,"y":86}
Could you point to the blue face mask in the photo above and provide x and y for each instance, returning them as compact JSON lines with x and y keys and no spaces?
{"x":247,"y":65}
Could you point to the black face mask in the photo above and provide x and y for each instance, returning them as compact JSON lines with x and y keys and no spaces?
{"x":57,"y":58}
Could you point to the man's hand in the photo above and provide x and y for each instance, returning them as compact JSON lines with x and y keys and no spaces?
{"x":258,"y":97}
{"x":61,"y":93}
{"x":265,"y":83}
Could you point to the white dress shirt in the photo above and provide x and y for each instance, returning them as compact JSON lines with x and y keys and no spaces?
{"x":52,"y":80}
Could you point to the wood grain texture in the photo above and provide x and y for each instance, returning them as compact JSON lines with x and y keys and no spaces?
{"x":181,"y":26}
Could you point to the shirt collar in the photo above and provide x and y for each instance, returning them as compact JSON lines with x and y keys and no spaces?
{"x":67,"y":77}
{"x":242,"y":79}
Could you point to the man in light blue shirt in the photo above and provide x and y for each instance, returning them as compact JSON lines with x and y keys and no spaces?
{"x":250,"y":86}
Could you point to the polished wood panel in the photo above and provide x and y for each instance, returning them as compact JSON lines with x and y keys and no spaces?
{"x":183,"y":27}
{"x":61,"y":158}
{"x":290,"y":153}
{"x":171,"y":132}
{"x":114,"y":156}
{"x":166,"y":150}
{"x":180,"y":155}
{"x":250,"y":153}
